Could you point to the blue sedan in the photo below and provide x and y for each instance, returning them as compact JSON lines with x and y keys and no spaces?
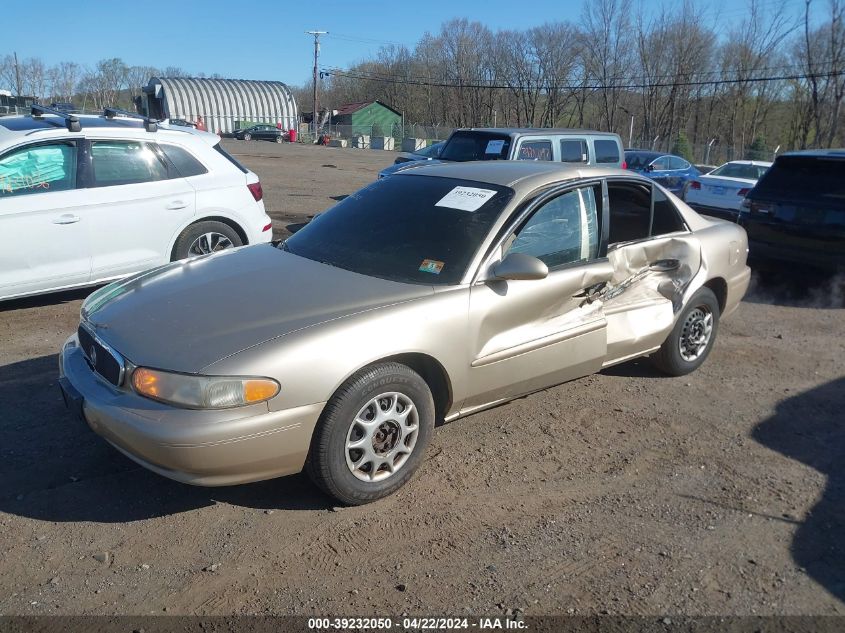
{"x":673,"y":172}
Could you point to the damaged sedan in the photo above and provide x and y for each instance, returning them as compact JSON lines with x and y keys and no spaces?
{"x":423,"y":297}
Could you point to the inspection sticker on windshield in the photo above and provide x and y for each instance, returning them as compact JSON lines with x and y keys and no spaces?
{"x":431,"y":266}
{"x":466,"y":198}
{"x":494,"y":147}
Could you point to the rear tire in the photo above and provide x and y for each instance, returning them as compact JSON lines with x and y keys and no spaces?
{"x":204,"y":238}
{"x":372,"y":435}
{"x":247,"y":137}
{"x":691,"y":340}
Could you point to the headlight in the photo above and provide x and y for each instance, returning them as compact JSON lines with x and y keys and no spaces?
{"x":202,"y":392}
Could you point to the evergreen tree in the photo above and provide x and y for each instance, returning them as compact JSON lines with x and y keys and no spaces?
{"x":682,"y":148}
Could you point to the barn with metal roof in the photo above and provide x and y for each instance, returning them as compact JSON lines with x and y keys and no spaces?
{"x":224,"y":105}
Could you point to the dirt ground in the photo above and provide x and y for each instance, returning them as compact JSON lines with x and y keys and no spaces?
{"x":625,"y":492}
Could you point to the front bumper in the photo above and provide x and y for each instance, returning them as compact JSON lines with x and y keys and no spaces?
{"x":204,"y":448}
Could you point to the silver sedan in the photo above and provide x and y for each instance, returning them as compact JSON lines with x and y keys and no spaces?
{"x":425,"y":296}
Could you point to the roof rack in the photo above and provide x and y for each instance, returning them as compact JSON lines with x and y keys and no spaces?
{"x":71,"y":120}
{"x":150,"y":125}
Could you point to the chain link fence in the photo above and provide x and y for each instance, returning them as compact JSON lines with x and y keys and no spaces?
{"x":364,"y":135}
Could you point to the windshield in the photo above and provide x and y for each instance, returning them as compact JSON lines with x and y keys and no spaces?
{"x":738,"y":170}
{"x":466,"y":145}
{"x":432,"y":151}
{"x":804,"y":178}
{"x":640,"y":160}
{"x":412,"y":229}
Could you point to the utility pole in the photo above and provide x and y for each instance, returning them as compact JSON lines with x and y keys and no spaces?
{"x":17,"y":76}
{"x":316,"y":35}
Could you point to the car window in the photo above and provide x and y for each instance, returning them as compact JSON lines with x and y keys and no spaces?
{"x":677,"y":163}
{"x":465,"y":145}
{"x":535,"y":150}
{"x":635,"y":216}
{"x":563,"y":231}
{"x":805,"y":179}
{"x":630,"y":211}
{"x":607,"y":151}
{"x":666,"y":218}
{"x":38,"y":169}
{"x":184,"y":163}
{"x":740,"y":170}
{"x":406,"y":228}
{"x":661,"y":163}
{"x":573,"y":151}
{"x":124,"y":163}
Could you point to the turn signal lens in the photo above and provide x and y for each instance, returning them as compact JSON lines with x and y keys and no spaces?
{"x":261,"y":389}
{"x":145,"y":382}
{"x":202,"y":392}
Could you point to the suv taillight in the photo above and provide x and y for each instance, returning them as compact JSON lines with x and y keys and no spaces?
{"x":256,"y":190}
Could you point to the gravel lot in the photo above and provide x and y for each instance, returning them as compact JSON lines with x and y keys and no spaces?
{"x":624,"y":492}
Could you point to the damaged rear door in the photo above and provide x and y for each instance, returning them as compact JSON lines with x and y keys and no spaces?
{"x":528,"y":334}
{"x":654,"y":258}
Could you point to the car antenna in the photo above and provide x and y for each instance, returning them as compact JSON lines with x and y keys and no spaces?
{"x":150,"y":125}
{"x":71,"y":120}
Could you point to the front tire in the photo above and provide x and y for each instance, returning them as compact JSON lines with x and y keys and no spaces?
{"x":691,"y":340}
{"x":204,"y":238}
{"x":247,"y":137}
{"x":372,"y":434}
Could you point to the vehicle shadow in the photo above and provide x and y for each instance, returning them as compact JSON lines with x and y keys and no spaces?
{"x":49,"y":299}
{"x":795,"y":286}
{"x":54,"y":468}
{"x":636,"y":368}
{"x":809,"y":428}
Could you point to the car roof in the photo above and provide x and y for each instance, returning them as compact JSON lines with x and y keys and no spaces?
{"x":817,"y":153}
{"x":748,"y":162}
{"x":516,"y":174}
{"x":533,"y":130}
{"x":645,"y":152}
{"x":47,"y":126}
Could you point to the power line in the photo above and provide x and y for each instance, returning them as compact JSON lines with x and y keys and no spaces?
{"x":646,"y":80}
{"x":585,"y":86}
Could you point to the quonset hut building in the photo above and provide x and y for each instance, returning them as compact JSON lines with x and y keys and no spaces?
{"x":225,"y":105}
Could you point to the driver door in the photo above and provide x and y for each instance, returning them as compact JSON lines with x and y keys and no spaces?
{"x":530,"y":334}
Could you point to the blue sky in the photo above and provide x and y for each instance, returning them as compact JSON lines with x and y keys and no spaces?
{"x":264,"y":39}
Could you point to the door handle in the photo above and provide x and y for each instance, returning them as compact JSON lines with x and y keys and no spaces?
{"x":67,"y":218}
{"x":177,"y":204}
{"x":591,"y":293}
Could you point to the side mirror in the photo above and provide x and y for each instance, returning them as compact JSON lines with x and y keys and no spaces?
{"x":519,"y":266}
{"x":649,"y":167}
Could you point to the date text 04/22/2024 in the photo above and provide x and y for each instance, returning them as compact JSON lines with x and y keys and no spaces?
{"x":417,"y":623}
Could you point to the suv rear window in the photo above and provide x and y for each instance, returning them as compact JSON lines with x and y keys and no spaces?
{"x":469,"y":145}
{"x":606,"y":151}
{"x":185,"y":164}
{"x":230,"y":158}
{"x":803,"y":178}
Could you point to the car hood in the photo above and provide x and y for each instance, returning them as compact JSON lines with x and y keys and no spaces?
{"x":189,"y":314}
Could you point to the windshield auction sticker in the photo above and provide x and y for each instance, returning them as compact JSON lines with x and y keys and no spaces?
{"x":494,"y":147}
{"x":466,"y":198}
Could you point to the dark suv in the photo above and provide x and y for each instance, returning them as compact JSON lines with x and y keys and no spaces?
{"x":796,"y":212}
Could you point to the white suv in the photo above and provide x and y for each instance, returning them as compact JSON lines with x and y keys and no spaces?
{"x":88,"y":199}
